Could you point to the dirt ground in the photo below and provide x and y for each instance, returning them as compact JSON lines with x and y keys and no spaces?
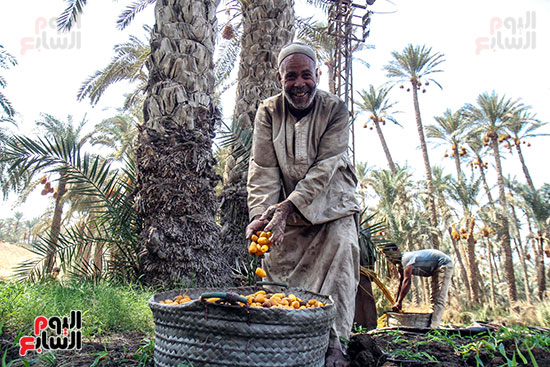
{"x":391,"y":348}
{"x":114,"y":350}
{"x":383,"y":349}
{"x":11,"y":256}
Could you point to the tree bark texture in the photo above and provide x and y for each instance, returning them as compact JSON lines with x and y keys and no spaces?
{"x":427,"y":167}
{"x":541,"y":276}
{"x":267,"y":27}
{"x":461,"y":266}
{"x":505,"y":231}
{"x":521,"y":253}
{"x":473,"y":269}
{"x":472,"y":264}
{"x":55,"y":228}
{"x":385,"y":146}
{"x":524,"y":168}
{"x":175,"y":167}
{"x":491,"y":273}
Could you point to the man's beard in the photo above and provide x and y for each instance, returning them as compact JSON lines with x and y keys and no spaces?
{"x":297,"y":105}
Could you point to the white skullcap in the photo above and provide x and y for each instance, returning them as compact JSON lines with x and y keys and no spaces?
{"x":296,"y":48}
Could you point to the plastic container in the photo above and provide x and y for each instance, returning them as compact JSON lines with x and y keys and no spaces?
{"x":409,"y":319}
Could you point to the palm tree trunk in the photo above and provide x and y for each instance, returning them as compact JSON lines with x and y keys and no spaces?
{"x":471,"y":246}
{"x":521,"y":253}
{"x":427,"y":167}
{"x":491,"y":273}
{"x":385,"y":146}
{"x":541,"y":275}
{"x":524,"y":168}
{"x":55,"y":228}
{"x":175,"y":199}
{"x":463,"y":271}
{"x":505,"y":232}
{"x":267,"y":27}
{"x":485,"y":185}
{"x":472,"y":265}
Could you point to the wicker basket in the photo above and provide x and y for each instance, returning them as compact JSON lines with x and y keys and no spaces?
{"x":208,"y":334}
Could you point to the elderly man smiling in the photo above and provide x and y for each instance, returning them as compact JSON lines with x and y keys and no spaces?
{"x":301,"y":187}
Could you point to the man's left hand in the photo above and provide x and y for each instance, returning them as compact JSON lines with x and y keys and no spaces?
{"x":277,"y":215}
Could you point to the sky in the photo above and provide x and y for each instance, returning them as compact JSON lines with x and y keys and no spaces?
{"x":52,"y":66}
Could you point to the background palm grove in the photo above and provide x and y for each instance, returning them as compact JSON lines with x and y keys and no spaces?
{"x":156,"y":193}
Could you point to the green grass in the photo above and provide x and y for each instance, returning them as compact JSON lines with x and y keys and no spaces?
{"x":106,"y":308}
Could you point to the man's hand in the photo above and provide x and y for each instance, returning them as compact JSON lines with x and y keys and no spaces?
{"x":255,"y":226}
{"x":277,"y":216}
{"x":397,"y":307}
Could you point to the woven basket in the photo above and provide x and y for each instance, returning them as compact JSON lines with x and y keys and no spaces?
{"x":208,"y":334}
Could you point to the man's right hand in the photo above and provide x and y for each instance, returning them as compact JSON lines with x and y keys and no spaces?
{"x":397,"y":307}
{"x":255,"y":226}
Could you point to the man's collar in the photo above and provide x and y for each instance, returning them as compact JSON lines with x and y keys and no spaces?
{"x":299,"y":114}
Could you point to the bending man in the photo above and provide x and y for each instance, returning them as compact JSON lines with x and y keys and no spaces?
{"x":301,"y":187}
{"x":426,"y":263}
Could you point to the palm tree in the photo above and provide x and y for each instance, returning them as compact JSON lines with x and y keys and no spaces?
{"x":174,"y":162}
{"x":316,"y":34}
{"x":539,"y":212}
{"x":476,"y":145}
{"x":119,"y":133}
{"x":491,"y":116}
{"x":516,"y":227}
{"x":109,"y":198}
{"x":6,"y":61}
{"x":57,"y":129}
{"x":362,"y":170}
{"x":267,"y":26}
{"x":523,"y":125}
{"x":450,"y":128}
{"x":376,"y":102}
{"x":443,"y":187}
{"x":175,"y":166}
{"x":417,"y":64}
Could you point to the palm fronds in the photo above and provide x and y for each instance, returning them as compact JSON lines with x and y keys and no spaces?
{"x":225,"y":64}
{"x":6,"y":105}
{"x":237,"y":137}
{"x":111,"y":228}
{"x":324,"y":5}
{"x":6,"y":61}
{"x":414,"y":62}
{"x":128,"y":64}
{"x":130,"y":12}
{"x":70,"y":15}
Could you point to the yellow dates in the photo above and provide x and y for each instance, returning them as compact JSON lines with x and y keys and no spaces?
{"x":258,"y":299}
{"x":260,"y":243}
{"x":260,"y":272}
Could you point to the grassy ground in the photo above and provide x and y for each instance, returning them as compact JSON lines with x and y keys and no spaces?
{"x":117,"y":324}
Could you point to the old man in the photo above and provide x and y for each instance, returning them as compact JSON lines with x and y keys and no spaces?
{"x":301,"y":187}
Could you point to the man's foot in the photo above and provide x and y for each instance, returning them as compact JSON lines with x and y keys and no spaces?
{"x":335,"y":358}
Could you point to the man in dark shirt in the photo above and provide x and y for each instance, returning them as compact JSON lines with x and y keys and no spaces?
{"x":425,"y":263}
